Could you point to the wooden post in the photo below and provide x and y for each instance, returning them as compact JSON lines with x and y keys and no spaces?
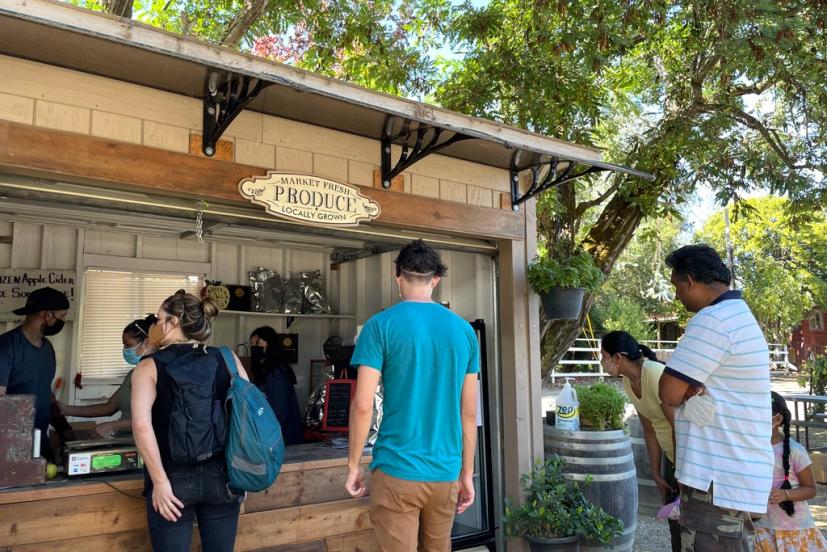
{"x":522,"y":390}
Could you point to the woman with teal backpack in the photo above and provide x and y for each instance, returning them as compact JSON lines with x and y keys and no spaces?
{"x":181,"y":429}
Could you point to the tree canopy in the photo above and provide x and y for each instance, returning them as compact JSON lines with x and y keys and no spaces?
{"x":728,"y":93}
{"x":780,"y":261}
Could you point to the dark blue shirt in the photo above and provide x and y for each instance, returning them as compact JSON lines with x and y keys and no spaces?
{"x":285,"y":404}
{"x":28,"y":370}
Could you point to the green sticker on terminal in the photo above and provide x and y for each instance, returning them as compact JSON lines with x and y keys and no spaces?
{"x":107,"y":461}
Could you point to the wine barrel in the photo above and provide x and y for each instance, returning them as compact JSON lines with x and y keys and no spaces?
{"x":606,"y":457}
{"x":648,"y":494}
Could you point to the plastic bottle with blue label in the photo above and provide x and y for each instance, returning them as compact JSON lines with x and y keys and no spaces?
{"x":567,"y":415}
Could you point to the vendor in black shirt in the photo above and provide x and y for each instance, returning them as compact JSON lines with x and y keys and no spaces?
{"x":277,"y":381}
{"x":27,"y":358}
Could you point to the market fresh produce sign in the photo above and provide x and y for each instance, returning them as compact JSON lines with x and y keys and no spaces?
{"x":309,"y":199}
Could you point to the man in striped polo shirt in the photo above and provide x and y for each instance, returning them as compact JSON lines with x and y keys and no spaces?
{"x":724,"y":463}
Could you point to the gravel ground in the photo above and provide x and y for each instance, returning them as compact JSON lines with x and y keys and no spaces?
{"x":653,"y":535}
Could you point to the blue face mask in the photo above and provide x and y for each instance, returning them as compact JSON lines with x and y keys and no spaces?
{"x":130,"y":355}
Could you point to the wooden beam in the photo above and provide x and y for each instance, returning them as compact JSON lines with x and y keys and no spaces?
{"x":128,"y":541}
{"x":43,"y":152}
{"x":302,"y":524}
{"x":70,"y":518}
{"x":132,"y":486}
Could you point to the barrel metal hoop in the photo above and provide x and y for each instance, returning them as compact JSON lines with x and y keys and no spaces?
{"x":584,"y":460}
{"x":587,"y":446}
{"x":586,"y":435}
{"x":601,"y":476}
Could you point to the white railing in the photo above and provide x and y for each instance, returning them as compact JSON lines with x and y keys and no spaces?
{"x":586,"y":353}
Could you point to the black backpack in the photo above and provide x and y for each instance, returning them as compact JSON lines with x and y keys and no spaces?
{"x":197,"y":423}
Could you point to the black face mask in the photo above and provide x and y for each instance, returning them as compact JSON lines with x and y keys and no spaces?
{"x":54,"y":329}
{"x":256,"y":355}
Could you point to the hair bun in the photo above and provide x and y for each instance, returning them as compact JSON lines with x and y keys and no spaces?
{"x":209,"y":307}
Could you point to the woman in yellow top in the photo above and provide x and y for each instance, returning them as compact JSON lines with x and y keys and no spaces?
{"x":622,"y":355}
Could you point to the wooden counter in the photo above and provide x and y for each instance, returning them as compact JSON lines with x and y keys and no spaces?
{"x":307,"y":509}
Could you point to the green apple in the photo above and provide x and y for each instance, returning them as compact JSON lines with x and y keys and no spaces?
{"x":51,"y":470}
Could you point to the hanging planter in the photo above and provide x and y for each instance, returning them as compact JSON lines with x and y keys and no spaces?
{"x":562,"y":282}
{"x":563,"y":303}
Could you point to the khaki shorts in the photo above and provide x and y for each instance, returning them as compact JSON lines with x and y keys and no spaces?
{"x":405,"y":513}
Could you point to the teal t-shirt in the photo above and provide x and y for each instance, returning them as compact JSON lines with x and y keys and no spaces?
{"x":424,"y":352}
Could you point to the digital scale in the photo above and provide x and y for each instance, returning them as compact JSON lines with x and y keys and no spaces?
{"x":101,"y":456}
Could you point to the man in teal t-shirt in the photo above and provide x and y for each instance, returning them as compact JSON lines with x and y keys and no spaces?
{"x":423,"y":460}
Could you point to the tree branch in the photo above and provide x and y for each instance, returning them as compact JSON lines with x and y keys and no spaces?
{"x":758,"y":88}
{"x":584,"y":206}
{"x":242,"y":22}
{"x":770,"y":135}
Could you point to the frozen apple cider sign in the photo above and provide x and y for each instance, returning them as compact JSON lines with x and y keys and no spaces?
{"x":309,"y":199}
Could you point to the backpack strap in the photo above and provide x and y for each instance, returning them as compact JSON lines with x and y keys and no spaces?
{"x":229,"y":361}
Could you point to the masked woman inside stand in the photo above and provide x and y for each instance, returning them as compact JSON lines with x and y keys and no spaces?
{"x":277,"y":381}
{"x":135,"y":345}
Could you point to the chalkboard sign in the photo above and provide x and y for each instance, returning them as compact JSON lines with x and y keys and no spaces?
{"x":337,"y":404}
{"x":17,"y":283}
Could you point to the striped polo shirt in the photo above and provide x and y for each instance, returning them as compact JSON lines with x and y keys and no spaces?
{"x":724,"y":350}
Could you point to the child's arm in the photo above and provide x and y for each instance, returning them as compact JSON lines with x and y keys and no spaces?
{"x":806,"y":489}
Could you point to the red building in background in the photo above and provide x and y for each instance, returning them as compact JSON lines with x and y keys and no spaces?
{"x":810,"y":338}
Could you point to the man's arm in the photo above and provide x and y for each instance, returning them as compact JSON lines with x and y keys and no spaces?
{"x":468,"y":412}
{"x":672,"y":390}
{"x":2,"y":390}
{"x":361,"y":414}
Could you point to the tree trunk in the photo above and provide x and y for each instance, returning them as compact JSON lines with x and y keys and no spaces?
{"x":121,"y":8}
{"x":606,"y":241}
{"x":242,"y":22}
{"x":616,"y":225}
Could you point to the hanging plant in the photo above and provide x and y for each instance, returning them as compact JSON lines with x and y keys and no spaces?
{"x":561,"y":282}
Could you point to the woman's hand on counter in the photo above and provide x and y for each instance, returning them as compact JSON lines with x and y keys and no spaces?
{"x":164,"y":502}
{"x":355,"y":483}
{"x":103,"y":430}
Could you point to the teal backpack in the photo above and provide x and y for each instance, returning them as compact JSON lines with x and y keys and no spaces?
{"x":255,"y":448}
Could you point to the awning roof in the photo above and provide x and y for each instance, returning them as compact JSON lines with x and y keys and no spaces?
{"x":74,"y":38}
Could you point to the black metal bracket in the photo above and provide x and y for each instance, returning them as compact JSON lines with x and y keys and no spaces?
{"x":225,"y":96}
{"x":418,"y":141}
{"x":559,"y":171}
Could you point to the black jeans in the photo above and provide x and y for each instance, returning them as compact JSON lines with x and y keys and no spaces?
{"x":674,"y":525}
{"x":206,"y":497}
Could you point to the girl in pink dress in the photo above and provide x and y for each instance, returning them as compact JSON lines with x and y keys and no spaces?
{"x":788,"y":525}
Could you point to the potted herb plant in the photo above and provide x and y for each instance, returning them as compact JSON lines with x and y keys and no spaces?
{"x":561,"y":277}
{"x":556,"y":513}
{"x":601,"y":407}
